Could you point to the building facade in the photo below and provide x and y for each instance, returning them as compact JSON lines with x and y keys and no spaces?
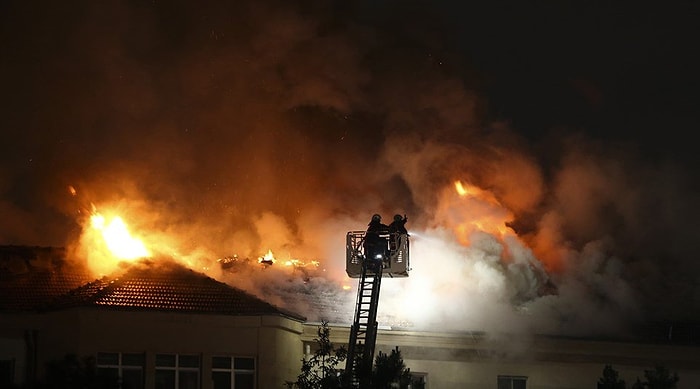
{"x":168,"y":327}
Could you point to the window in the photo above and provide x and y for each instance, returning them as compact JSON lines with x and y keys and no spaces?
{"x":233,"y":372}
{"x":419,"y":380}
{"x":177,"y":371}
{"x":125,"y":368}
{"x":512,"y":382}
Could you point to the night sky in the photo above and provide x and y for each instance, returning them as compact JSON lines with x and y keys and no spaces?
{"x":237,"y":126}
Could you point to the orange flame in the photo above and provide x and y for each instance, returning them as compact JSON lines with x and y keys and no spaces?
{"x":467,"y":190}
{"x":268,"y":258}
{"x":118,"y":239}
{"x":106,"y":242}
{"x":476,"y":209}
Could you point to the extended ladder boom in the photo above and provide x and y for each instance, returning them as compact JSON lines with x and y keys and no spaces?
{"x":389,"y":259}
{"x":363,"y":333}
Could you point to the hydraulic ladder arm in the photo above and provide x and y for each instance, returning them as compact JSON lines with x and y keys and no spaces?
{"x":363,"y":333}
{"x":370,"y":269}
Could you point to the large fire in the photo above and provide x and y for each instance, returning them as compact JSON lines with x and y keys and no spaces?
{"x":108,"y":240}
{"x":279,"y":267}
{"x":118,"y":239}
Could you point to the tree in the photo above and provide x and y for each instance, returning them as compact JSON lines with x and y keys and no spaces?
{"x":390,"y":370}
{"x":638,"y":384}
{"x":320,"y":371}
{"x":658,"y":378}
{"x":610,"y":379}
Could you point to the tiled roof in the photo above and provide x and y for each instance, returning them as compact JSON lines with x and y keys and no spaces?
{"x":30,"y":292}
{"x":162,"y":286}
{"x":32,"y":277}
{"x":168,"y":287}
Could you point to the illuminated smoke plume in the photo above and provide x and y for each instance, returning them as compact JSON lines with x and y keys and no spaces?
{"x":222,"y":130}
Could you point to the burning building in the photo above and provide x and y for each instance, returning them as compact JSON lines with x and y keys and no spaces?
{"x":238,"y":142}
{"x":160,"y":321}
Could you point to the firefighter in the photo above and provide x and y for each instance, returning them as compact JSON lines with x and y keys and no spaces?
{"x":398,"y":225}
{"x":375,"y":245}
{"x":398,"y":233}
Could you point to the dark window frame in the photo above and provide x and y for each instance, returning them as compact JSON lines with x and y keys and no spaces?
{"x":238,"y":368}
{"x":511,"y":382}
{"x":182,"y":365}
{"x":124,"y":363}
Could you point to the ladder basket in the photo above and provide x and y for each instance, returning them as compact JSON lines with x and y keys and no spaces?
{"x":397,"y":246}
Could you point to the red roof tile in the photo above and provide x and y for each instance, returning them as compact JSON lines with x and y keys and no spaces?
{"x":144,"y":286}
{"x":32,"y":277}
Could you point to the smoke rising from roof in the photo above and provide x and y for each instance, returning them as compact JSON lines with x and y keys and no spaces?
{"x":239,"y":128}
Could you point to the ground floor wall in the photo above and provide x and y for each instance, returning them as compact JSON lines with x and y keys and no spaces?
{"x":276,"y":345}
{"x":478,"y":360}
{"x":33,"y":340}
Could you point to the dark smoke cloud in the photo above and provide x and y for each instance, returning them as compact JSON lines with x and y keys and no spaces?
{"x":243,"y":127}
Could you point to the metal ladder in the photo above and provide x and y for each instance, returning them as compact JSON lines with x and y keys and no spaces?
{"x":363,"y":333}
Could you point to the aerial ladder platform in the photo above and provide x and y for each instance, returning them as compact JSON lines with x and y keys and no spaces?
{"x":390,"y":259}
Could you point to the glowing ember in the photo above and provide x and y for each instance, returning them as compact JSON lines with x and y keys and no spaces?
{"x":299,"y":263}
{"x":268,"y":258}
{"x":118,"y":239}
